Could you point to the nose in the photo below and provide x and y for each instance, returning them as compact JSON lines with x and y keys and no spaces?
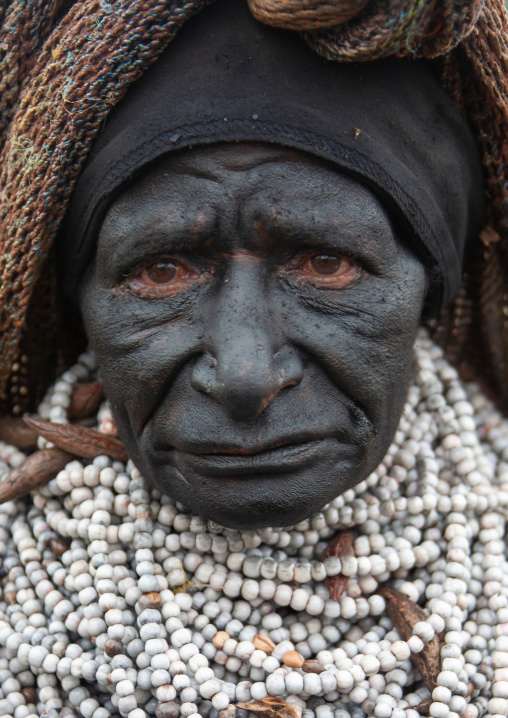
{"x":247,"y":362}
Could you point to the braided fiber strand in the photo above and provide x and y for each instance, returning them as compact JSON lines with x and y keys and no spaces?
{"x":399,"y":27}
{"x":480,"y":338}
{"x":23,"y":24}
{"x":86,"y":64}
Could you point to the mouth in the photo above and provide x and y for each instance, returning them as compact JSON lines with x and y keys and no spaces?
{"x":244,"y":462}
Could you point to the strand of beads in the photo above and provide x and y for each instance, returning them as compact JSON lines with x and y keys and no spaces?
{"x":148,"y":609}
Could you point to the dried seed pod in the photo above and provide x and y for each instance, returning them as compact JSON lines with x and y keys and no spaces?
{"x":305,"y":16}
{"x":14,"y":431}
{"x":85,"y":400}
{"x":37,"y":470}
{"x":270,"y":708}
{"x":312,"y":666}
{"x":79,"y":440}
{"x":263,"y":643}
{"x":292,"y":659}
{"x":404,"y":613}
{"x":340,"y":546}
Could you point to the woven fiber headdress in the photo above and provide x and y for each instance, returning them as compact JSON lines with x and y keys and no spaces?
{"x":64,"y":66}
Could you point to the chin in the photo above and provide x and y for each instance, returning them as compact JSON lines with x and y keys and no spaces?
{"x":244,"y":498}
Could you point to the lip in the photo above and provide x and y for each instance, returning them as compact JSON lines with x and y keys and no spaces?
{"x":277,"y":460}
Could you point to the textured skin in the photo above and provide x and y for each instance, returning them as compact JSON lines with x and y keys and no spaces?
{"x":253,"y":393}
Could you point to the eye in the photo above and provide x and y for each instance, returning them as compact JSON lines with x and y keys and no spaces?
{"x":164,"y":278}
{"x":329,"y":271}
{"x":326,"y":265}
{"x":159,"y":273}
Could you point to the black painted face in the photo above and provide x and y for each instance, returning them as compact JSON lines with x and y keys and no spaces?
{"x":253,"y":316}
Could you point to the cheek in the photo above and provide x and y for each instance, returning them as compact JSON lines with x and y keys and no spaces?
{"x":363,"y":338}
{"x":140,"y":350}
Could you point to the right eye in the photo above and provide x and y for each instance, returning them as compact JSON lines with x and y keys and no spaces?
{"x":164,"y":278}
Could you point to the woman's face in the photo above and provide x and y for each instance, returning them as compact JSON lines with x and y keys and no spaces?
{"x":253,"y":315}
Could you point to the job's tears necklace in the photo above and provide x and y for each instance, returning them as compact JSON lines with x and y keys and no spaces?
{"x":394,"y":600}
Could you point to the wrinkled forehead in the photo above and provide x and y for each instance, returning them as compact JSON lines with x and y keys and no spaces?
{"x":276,"y":190}
{"x":226,"y":78}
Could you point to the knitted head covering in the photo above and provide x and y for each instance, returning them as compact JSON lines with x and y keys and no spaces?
{"x":389,"y":123}
{"x":64,"y":66}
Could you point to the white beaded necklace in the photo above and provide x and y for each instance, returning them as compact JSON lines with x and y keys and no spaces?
{"x":152,"y":611}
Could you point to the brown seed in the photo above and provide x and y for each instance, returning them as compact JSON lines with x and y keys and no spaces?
{"x":312,"y":666}
{"x":14,"y":431}
{"x":113,"y":647}
{"x":292,"y":659}
{"x":263,"y":643}
{"x":85,"y":400}
{"x":29,"y":693}
{"x":37,"y":470}
{"x":150,"y":600}
{"x":220,"y":639}
{"x":79,"y":440}
{"x":167,"y":710}
{"x":58,"y":546}
{"x":10,"y":597}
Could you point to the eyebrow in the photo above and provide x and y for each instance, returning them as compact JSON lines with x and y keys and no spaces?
{"x":334,"y":232}
{"x":175,"y":231}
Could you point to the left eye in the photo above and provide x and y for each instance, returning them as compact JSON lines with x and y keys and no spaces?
{"x":328,"y":271}
{"x":326,"y":265}
{"x":159,"y":273}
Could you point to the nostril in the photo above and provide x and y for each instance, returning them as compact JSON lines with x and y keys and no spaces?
{"x":245,"y":386}
{"x":288,"y":367}
{"x":203,"y":376}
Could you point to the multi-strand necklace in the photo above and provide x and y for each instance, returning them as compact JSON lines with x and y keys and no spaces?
{"x":118,"y":601}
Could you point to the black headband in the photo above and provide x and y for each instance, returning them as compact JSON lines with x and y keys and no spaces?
{"x":226,"y":77}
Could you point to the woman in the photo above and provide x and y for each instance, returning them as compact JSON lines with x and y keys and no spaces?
{"x":254,"y":404}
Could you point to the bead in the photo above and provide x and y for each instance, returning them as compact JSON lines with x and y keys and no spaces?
{"x":209,"y":688}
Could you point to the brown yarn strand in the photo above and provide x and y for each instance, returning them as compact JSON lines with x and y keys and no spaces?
{"x":82,"y":70}
{"x":64,"y":66}
{"x":481,"y":337}
{"x":304,"y":15}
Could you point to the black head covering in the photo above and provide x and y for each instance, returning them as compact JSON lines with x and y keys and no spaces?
{"x":227,"y":77}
